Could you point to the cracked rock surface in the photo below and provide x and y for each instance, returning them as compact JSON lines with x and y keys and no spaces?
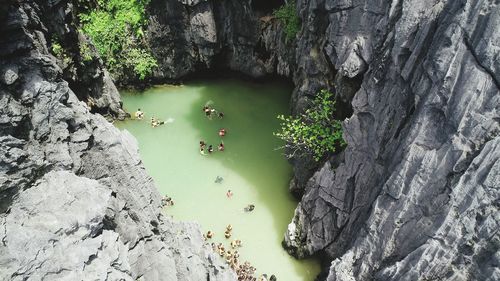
{"x":416,"y":193}
{"x":75,"y":200}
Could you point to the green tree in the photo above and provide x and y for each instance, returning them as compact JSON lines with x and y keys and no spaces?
{"x":288,"y":16}
{"x":315,"y":131}
{"x":116,"y":29}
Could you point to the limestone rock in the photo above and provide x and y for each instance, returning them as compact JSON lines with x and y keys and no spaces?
{"x":417,"y":192}
{"x":75,"y":200}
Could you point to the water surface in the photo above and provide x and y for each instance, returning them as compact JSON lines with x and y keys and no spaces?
{"x":250,"y":166}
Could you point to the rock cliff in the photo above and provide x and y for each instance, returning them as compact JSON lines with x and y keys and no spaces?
{"x":75,"y":200}
{"x":415,"y":195}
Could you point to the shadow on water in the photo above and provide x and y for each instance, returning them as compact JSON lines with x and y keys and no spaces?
{"x":249,"y":150}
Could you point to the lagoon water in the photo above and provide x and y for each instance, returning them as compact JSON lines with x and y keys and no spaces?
{"x":250,"y":166}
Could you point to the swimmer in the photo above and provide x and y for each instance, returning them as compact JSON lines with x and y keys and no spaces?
{"x":227,"y":234}
{"x":202,"y":144}
{"x":207,"y":111}
{"x":222,"y":132}
{"x":249,"y":208}
{"x":156,"y":122}
{"x":233,"y":244}
{"x":229,"y":193}
{"x":219,"y":179}
{"x":238,"y":243}
{"x":221,"y":115}
{"x":210,"y":149}
{"x":139,"y":114}
{"x":221,"y":146}
{"x":210,"y":234}
{"x":273,"y":278}
{"x":229,"y":227}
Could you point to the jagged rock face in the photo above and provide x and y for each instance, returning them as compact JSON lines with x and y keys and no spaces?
{"x":75,"y":200}
{"x":191,"y":36}
{"x":416,"y":196}
{"x":85,"y":73}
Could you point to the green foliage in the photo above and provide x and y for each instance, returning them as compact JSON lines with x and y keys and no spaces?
{"x":60,"y":53}
{"x":115,"y":28}
{"x":57,"y":49}
{"x":288,"y":16}
{"x":142,"y":61}
{"x":315,"y":131}
{"x":85,"y":51}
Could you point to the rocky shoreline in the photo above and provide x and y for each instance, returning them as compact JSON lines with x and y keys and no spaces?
{"x":415,"y":195}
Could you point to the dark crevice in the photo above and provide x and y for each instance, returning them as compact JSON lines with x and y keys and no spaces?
{"x":472,"y":51}
{"x":265,"y":7}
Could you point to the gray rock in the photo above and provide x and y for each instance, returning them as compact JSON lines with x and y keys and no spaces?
{"x":417,"y":192}
{"x":10,"y":76}
{"x":75,"y":200}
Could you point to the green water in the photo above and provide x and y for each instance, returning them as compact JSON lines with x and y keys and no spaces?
{"x":250,"y":166}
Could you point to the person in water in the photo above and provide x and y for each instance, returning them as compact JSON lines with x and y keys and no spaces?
{"x":139,"y":114}
{"x":210,"y":149}
{"x":219,"y":179}
{"x":202,"y":144}
{"x":221,"y":115}
{"x":249,"y":208}
{"x":208,"y":111}
{"x":210,"y":234}
{"x":156,"y":122}
{"x":222,"y":132}
{"x":221,"y":146}
{"x":229,"y":193}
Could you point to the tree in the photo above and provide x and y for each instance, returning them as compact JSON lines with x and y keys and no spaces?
{"x":315,"y":131}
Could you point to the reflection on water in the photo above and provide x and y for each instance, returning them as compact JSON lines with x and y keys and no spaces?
{"x":250,"y":166}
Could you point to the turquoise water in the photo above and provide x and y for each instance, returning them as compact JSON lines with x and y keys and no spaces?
{"x":250,"y":166}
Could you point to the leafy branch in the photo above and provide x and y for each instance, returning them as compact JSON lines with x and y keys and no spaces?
{"x":315,"y":131}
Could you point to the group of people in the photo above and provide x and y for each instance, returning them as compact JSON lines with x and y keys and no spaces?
{"x":210,"y":147}
{"x":139,"y":114}
{"x":167,"y":201}
{"x":210,"y":112}
{"x":245,"y":270}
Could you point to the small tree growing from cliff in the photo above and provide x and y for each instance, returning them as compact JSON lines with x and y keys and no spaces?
{"x":315,"y":131}
{"x":288,"y":16}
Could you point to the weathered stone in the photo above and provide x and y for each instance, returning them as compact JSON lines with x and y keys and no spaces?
{"x":75,"y":201}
